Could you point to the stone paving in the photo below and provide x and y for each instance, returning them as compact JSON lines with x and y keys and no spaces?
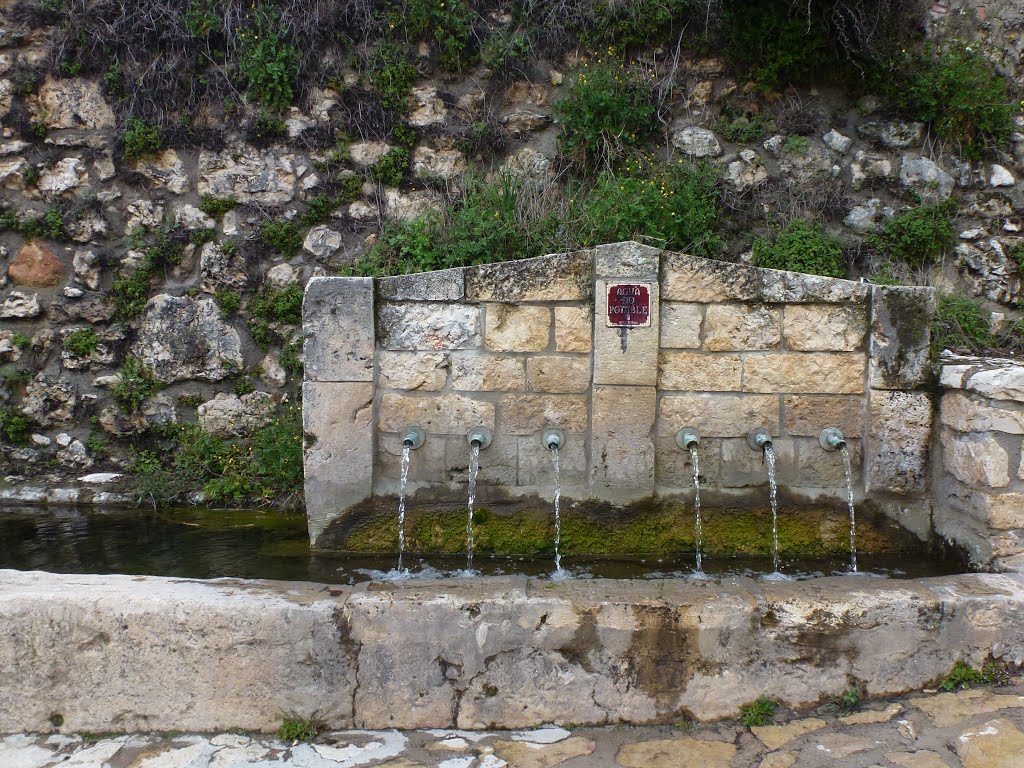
{"x":975,"y":728}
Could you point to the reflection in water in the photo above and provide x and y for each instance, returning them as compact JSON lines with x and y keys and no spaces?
{"x":208,"y":544}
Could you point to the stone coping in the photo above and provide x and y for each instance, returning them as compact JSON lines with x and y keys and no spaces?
{"x":123,"y":653}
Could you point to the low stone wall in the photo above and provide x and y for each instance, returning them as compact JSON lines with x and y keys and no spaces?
{"x":979,"y":474}
{"x":522,"y":346}
{"x":123,"y":653}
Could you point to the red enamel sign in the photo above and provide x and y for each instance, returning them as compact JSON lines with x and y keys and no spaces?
{"x":629,"y":304}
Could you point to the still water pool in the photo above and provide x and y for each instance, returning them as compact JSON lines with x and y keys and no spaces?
{"x":208,"y":544}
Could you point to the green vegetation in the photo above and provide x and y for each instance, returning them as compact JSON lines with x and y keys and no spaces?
{"x":294,"y":728}
{"x":49,"y":224}
{"x":919,"y":236}
{"x":761,"y":712}
{"x":843,"y":704}
{"x":958,"y":92}
{"x":266,"y":128}
{"x":140,"y":139}
{"x":135,"y":383}
{"x":506,"y":50}
{"x":318,"y":210}
{"x":283,"y":236}
{"x":20,"y":340}
{"x":391,"y":74}
{"x":268,"y":62}
{"x":624,"y":26}
{"x":675,"y":205}
{"x":447,"y":24}
{"x":82,"y":342}
{"x":796,"y":145}
{"x":963,"y":675}
{"x":801,"y":247}
{"x":216,"y":207}
{"x":960,"y":325}
{"x":742,"y":129}
{"x":609,"y":109}
{"x":130,"y":290}
{"x":283,"y":306}
{"x":264,"y":467}
{"x":14,"y":426}
{"x":202,"y":236}
{"x":290,"y":357}
{"x":228,"y":302}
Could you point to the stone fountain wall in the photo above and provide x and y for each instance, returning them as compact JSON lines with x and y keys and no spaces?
{"x":521,"y":346}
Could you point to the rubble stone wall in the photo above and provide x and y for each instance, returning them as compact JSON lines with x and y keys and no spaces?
{"x":519,"y":347}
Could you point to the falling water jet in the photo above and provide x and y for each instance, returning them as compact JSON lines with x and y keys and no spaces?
{"x":479,"y":438}
{"x":761,"y":440}
{"x":412,"y":438}
{"x":831,"y":439}
{"x":553,"y":439}
{"x":688,"y":439}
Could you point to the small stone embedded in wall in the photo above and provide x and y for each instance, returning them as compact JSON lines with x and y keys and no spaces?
{"x":976,"y":459}
{"x":36,"y":266}
{"x":966,"y":415}
{"x":429,"y":326}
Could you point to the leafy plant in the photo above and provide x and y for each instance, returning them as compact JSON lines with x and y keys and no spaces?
{"x":295,"y":728}
{"x":919,"y":236}
{"x":958,"y":92}
{"x":228,"y":302}
{"x":801,"y":247}
{"x":449,"y":24}
{"x":391,"y":74}
{"x":761,"y":712}
{"x":82,"y":342}
{"x":20,"y":340}
{"x":961,"y":325}
{"x":796,"y":145}
{"x":962,"y":676}
{"x":843,"y":704}
{"x":505,"y":51}
{"x":742,"y":129}
{"x":283,"y":236}
{"x":390,"y":170}
{"x":216,"y":207}
{"x":268,"y":62}
{"x":609,"y":109}
{"x":14,"y":426}
{"x":140,"y":139}
{"x":623,"y":26}
{"x":283,"y":307}
{"x":318,"y":210}
{"x":202,"y":235}
{"x":265,"y":129}
{"x":130,"y":292}
{"x":290,"y":357}
{"x":134,"y":384}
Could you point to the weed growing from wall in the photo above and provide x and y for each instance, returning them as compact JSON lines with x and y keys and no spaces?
{"x":82,"y":342}
{"x":801,"y":247}
{"x":918,"y":236}
{"x":960,"y":325}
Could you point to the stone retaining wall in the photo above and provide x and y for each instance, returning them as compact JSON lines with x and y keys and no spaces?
{"x":979,"y":474}
{"x":521,"y":346}
{"x":123,"y":653}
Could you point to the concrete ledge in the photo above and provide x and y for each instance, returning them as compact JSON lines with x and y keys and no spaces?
{"x":123,"y":653}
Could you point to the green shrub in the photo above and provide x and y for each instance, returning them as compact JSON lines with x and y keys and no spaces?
{"x":742,"y":129}
{"x":958,"y":92}
{"x":228,"y":302}
{"x":391,"y":74}
{"x":796,"y":145}
{"x":919,"y":236}
{"x":20,"y":340}
{"x":290,"y":357}
{"x":318,"y":210}
{"x":295,"y":728}
{"x":82,"y":342}
{"x":506,"y":50}
{"x":962,"y":676}
{"x":130,"y":292}
{"x":761,"y":712}
{"x":801,"y":247}
{"x":390,"y":170}
{"x":14,"y":426}
{"x":134,"y":384}
{"x":283,"y":307}
{"x":608,"y":110}
{"x":283,"y":236}
{"x":140,"y":139}
{"x":216,"y":207}
{"x":675,"y":205}
{"x":636,"y":23}
{"x":50,"y":224}
{"x":202,"y":236}
{"x":265,"y":129}
{"x":268,"y":62}
{"x":960,"y":325}
{"x":448,"y":24}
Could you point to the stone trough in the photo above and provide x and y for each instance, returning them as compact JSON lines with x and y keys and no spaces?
{"x":520,"y":348}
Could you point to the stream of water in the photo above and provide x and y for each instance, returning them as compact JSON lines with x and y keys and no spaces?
{"x":699,"y":532}
{"x":406,"y":449}
{"x":558,"y":514}
{"x":769,"y":460}
{"x":849,"y":500}
{"x":474,"y":468}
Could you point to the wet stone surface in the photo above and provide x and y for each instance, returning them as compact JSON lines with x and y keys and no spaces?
{"x":978,"y":728}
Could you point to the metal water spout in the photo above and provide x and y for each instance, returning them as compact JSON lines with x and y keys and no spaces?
{"x":413,"y":436}
{"x":553,"y":438}
{"x":759,"y":438}
{"x":687,"y":438}
{"x":480,"y":437}
{"x":831,"y":439}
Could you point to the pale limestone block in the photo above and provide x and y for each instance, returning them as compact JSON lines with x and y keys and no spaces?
{"x":673,"y":466}
{"x":536,"y":466}
{"x":526,"y":755}
{"x":439,"y":285}
{"x":429,"y":326}
{"x":993,"y":744}
{"x":527,"y":414}
{"x":337,"y":323}
{"x":557,"y":277}
{"x":963,"y":414}
{"x":730,"y":327}
{"x":999,"y":383}
{"x":680,"y":325}
{"x":622,"y":423}
{"x":485,"y":373}
{"x":573,"y":329}
{"x":775,"y":736}
{"x":426,"y":463}
{"x":816,"y":467}
{"x":976,"y":459}
{"x":1020,"y":470}
{"x":807,"y":415}
{"x":512,"y":328}
{"x":899,"y":433}
{"x":947,"y":709}
{"x":626,"y":261}
{"x":743,"y":467}
{"x":824,"y":327}
{"x":678,"y":753}
{"x":448,"y":414}
{"x":337,"y":419}
{"x":804,"y":372}
{"x":558,"y":373}
{"x":625,"y":355}
{"x":498,"y":463}
{"x":1004,"y":511}
{"x":718,"y":415}
{"x":700,"y":372}
{"x":412,"y":371}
